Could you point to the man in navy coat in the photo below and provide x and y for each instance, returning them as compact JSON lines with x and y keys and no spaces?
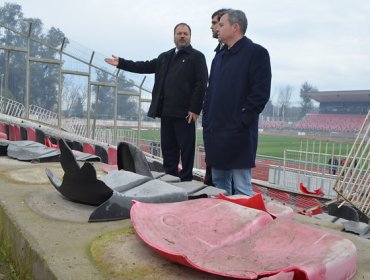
{"x":180,"y":83}
{"x":238,"y":89}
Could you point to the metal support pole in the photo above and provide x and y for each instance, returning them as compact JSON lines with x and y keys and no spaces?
{"x":60,"y":85}
{"x":115,"y":111}
{"x":139,"y":115}
{"x":2,"y":84}
{"x":89,"y":97}
{"x":6,"y":71}
{"x":95,"y":113}
{"x":27,"y":99}
{"x":196,"y":156}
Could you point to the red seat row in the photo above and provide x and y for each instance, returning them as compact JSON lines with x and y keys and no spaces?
{"x":271,"y":124}
{"x":110,"y":153}
{"x":15,"y":132}
{"x":330,"y":123}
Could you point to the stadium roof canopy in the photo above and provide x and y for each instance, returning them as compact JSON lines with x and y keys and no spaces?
{"x":341,"y":96}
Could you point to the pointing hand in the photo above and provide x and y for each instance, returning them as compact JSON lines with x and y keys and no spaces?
{"x":112,"y":61}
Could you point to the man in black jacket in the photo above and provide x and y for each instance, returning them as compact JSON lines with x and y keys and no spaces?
{"x":180,"y":83}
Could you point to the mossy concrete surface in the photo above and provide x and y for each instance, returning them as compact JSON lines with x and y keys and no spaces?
{"x":49,"y":247}
{"x":122,"y":254}
{"x":40,"y":247}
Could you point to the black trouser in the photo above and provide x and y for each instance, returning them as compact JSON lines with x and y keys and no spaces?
{"x":178,"y":138}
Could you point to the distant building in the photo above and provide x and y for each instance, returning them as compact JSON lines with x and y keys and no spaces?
{"x":354,"y":102}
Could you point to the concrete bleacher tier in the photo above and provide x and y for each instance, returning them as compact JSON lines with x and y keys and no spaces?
{"x":330,"y":123}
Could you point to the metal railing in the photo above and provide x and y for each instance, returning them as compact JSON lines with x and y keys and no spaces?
{"x":42,"y":115}
{"x":11,"y":107}
{"x":353,"y":182}
{"x":69,"y":58}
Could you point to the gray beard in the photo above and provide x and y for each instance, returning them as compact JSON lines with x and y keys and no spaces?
{"x":181,"y":47}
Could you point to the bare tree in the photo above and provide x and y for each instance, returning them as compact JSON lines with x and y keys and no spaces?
{"x":268,"y":111}
{"x":284,"y":98}
{"x":74,"y":95}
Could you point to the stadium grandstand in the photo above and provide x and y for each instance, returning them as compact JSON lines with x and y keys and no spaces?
{"x":339,"y":112}
{"x":351,"y":102}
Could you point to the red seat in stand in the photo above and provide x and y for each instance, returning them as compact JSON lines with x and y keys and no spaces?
{"x":14,"y":132}
{"x":31,"y":134}
{"x":3,"y":134}
{"x":88,"y":148}
{"x":112,"y":155}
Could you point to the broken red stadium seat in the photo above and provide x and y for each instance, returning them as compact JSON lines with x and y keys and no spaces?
{"x":318,"y":191}
{"x":227,"y":239}
{"x":48,"y":143}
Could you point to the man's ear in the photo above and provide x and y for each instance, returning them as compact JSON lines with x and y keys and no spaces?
{"x":236,"y":27}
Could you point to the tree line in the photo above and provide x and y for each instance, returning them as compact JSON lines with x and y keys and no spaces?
{"x":283,"y":110}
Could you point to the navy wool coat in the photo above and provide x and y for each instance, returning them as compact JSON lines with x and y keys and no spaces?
{"x":182,"y":87}
{"x":238,"y":90}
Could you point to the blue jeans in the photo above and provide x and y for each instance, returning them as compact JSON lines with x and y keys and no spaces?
{"x":241,"y":179}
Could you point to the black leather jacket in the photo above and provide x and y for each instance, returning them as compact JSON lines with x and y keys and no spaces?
{"x":181,"y":87}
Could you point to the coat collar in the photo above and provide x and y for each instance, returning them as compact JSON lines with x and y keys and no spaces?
{"x":219,"y":48}
{"x":187,"y":50}
{"x":239,"y":44}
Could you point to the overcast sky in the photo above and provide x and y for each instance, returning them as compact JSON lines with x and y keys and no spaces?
{"x":326,"y":43}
